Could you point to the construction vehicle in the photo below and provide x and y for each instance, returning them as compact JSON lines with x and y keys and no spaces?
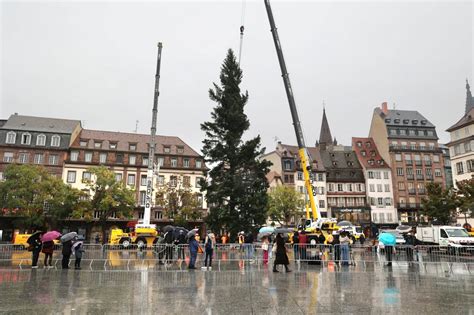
{"x":141,"y":236}
{"x":20,"y":240}
{"x":311,"y":223}
{"x":145,"y":233}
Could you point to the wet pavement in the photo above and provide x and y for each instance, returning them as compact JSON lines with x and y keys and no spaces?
{"x":248,"y":290}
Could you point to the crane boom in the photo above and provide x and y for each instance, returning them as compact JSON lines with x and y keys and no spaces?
{"x":294,"y":114}
{"x":151,"y":152}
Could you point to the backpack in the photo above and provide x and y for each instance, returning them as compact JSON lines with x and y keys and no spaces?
{"x":208,"y":243}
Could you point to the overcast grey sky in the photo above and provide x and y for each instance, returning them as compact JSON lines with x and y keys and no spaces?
{"x":95,"y":61}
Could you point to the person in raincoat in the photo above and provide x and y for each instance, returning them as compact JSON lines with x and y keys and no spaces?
{"x":35,"y":244}
{"x":193,"y":250}
{"x":67,"y":251}
{"x":48,"y":250}
{"x":78,"y":250}
{"x":281,"y":258}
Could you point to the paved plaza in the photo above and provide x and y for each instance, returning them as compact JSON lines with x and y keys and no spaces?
{"x":246,"y":290}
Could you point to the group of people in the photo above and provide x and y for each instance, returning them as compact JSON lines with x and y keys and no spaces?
{"x":209,"y":244}
{"x":71,"y":247}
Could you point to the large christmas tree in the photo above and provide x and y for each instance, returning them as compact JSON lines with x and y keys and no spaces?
{"x":237,"y":188}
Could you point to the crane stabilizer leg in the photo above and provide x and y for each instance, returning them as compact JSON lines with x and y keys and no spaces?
{"x":294,"y":114}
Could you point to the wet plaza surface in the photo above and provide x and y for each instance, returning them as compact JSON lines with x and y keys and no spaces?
{"x":243,"y":290}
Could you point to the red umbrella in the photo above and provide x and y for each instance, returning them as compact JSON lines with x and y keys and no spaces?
{"x":50,"y":236}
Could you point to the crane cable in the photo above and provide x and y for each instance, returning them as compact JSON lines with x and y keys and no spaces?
{"x":242,"y":29}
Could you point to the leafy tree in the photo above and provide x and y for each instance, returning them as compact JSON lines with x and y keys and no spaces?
{"x":109,"y":196}
{"x":465,"y":194}
{"x":284,"y":203}
{"x":36,"y":197}
{"x":179,"y":202}
{"x":440,"y":204}
{"x":237,"y":190}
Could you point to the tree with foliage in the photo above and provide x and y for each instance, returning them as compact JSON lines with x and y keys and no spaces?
{"x":465,"y":195}
{"x":440,"y":204}
{"x":36,"y":197}
{"x":179,"y":202}
{"x":237,"y":189}
{"x":284,"y":203}
{"x":110,"y":197}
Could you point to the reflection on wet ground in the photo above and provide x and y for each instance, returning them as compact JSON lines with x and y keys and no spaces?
{"x":244,"y":291}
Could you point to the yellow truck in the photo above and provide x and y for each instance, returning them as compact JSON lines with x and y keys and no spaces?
{"x":141,"y":236}
{"x":20,"y":240}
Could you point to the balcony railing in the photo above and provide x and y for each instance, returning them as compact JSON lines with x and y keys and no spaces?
{"x":412,"y":191}
{"x":421,"y":191}
{"x":409,"y":162}
{"x":428,"y":163}
{"x":420,"y":177}
{"x":429,"y":177}
{"x":411,"y":177}
{"x":409,"y":206}
{"x":418,"y":163}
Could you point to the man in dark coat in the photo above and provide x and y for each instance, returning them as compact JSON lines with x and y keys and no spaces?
{"x":281,"y":258}
{"x":35,"y":242}
{"x":66,"y":254}
{"x":193,"y":251}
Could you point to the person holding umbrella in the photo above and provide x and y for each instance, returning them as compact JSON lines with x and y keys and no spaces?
{"x":48,"y":247}
{"x":35,"y":245}
{"x":389,"y":241}
{"x":77,"y":249}
{"x":67,"y":240}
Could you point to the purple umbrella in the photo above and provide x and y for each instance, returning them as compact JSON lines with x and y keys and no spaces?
{"x":77,"y":244}
{"x":50,"y":236}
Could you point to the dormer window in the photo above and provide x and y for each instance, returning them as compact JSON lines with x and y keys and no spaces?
{"x":388,"y":120}
{"x":26,"y":138}
{"x":334,"y":163}
{"x":423,"y":122}
{"x":83,"y":143}
{"x":363,"y":153}
{"x":372,"y":153}
{"x":406,"y":121}
{"x":41,"y":140}
{"x":97,"y":144}
{"x":113,"y":145}
{"x":368,"y":144}
{"x":55,"y":141}
{"x":414,"y":121}
{"x":371,"y":162}
{"x":180,"y":149}
{"x":167,"y":149}
{"x":350,"y":163}
{"x":359,"y":144}
{"x":132,"y":146}
{"x":397,"y":121}
{"x":11,"y":137}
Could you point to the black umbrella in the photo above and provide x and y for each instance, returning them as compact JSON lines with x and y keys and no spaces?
{"x":33,"y":236}
{"x":168,"y":228}
{"x":178,"y":230}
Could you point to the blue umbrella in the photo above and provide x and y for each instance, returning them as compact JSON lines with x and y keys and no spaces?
{"x":266,"y":229}
{"x":387,"y":239}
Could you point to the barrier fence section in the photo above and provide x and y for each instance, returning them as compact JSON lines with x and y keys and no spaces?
{"x":133,"y":256}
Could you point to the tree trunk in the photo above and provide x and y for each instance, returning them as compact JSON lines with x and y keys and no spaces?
{"x":103,"y":225}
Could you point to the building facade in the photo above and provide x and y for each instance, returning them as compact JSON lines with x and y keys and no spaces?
{"x":378,"y":182}
{"x":461,"y":146}
{"x":68,"y":151}
{"x":409,"y":143}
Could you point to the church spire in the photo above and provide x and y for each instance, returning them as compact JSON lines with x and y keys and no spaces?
{"x":469,"y":98}
{"x":325,"y":136}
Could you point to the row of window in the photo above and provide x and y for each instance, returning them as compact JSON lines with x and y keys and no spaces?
{"x":24,"y":158}
{"x":462,"y":148}
{"x":469,"y":167}
{"x":316,"y":190}
{"x":346,"y":201}
{"x":346,"y":187}
{"x":419,"y":173}
{"x":318,"y":177}
{"x":379,"y":188}
{"x":26,"y":139}
{"x":380,"y":217}
{"x":417,"y":158}
{"x":404,"y":145}
{"x":157,"y":215}
{"x":131,"y":179}
{"x":411,"y":186}
{"x":132,"y":146}
{"x":132,"y":159}
{"x":380,"y":202}
{"x":378,"y":175}
{"x":411,"y":132}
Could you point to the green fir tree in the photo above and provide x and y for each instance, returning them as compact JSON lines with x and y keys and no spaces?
{"x":237,"y":188}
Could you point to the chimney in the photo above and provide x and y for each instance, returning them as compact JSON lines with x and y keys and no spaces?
{"x":385,"y":108}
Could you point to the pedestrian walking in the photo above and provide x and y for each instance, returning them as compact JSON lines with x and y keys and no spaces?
{"x":345,"y":241}
{"x":209,"y":244}
{"x":303,"y":240}
{"x":265,"y":249}
{"x":66,"y":251}
{"x":281,"y":258}
{"x":241,"y":239}
{"x":193,"y":251}
{"x":48,"y":250}
{"x":78,"y":250}
{"x":181,"y":243}
{"x":410,"y":242}
{"x":296,"y":240}
{"x":337,"y":246}
{"x":224,"y":238}
{"x":97,"y":238}
{"x":35,"y":246}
